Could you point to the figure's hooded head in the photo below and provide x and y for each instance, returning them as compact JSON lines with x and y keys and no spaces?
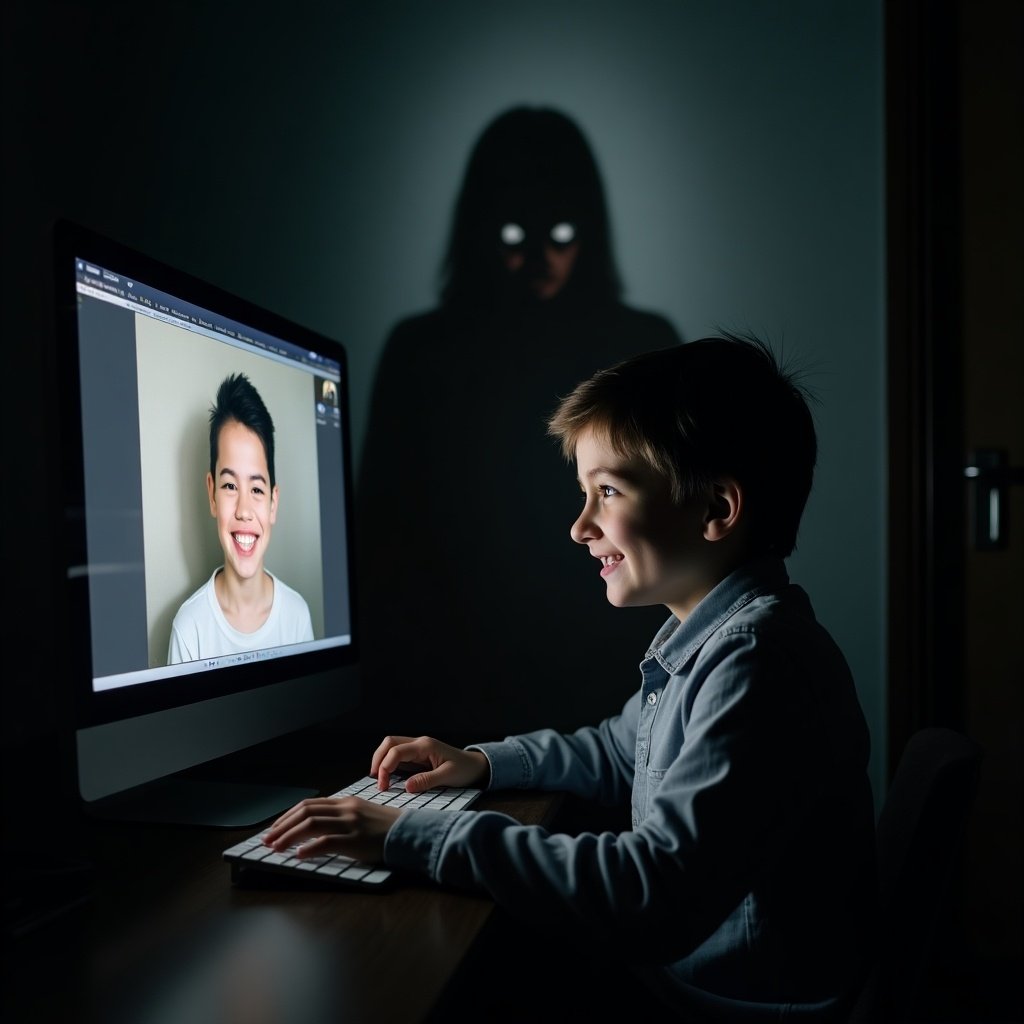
{"x":531,"y":221}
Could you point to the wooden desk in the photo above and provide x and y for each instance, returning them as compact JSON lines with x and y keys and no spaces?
{"x":166,"y":938}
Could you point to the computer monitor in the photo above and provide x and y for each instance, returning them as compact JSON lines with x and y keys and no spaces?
{"x":141,"y":351}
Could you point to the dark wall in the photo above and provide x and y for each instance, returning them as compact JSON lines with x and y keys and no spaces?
{"x":311,"y":164}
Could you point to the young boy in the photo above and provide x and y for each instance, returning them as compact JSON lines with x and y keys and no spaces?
{"x":242,"y":606}
{"x":744,"y":888}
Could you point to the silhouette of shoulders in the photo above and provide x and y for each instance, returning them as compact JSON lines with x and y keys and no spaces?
{"x":464,"y":505}
{"x":581,"y":337}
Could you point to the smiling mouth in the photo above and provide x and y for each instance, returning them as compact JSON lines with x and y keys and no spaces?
{"x":246,"y":541}
{"x":609,"y":563}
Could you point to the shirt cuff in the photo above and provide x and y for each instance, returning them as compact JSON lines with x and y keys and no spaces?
{"x":414,"y":842}
{"x":510,"y":767}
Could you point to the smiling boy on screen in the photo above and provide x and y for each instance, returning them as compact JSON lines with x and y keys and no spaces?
{"x":242,"y":606}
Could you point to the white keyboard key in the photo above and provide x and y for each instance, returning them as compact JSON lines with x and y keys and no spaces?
{"x":335,"y":866}
{"x":278,"y":858}
{"x":356,"y":871}
{"x":310,"y":863}
{"x":244,"y":847}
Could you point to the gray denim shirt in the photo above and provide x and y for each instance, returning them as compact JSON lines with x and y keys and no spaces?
{"x":747,"y":879}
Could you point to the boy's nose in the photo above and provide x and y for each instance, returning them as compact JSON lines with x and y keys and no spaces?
{"x":583,"y":530}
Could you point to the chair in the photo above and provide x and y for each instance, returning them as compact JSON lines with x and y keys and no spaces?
{"x":920,"y":835}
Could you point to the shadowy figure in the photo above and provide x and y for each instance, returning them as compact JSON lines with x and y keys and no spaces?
{"x":474,"y":601}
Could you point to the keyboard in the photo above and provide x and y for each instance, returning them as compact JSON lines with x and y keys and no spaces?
{"x":253,"y":863}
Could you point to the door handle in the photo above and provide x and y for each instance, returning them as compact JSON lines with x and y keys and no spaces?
{"x":991,"y":476}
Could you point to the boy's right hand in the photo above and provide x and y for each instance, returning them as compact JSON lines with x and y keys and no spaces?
{"x":432,"y":763}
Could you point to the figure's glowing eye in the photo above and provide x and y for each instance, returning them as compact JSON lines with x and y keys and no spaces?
{"x":563,"y":233}
{"x":512,"y":234}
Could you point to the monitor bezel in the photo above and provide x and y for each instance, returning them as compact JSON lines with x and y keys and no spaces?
{"x":98,"y":707}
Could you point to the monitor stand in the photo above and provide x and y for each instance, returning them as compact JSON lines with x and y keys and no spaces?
{"x":189,"y":801}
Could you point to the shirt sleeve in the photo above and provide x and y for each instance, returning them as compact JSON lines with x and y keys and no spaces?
{"x":596,"y":763}
{"x":176,"y":652}
{"x":306,"y":624}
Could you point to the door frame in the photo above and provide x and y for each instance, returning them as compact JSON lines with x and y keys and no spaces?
{"x":926,"y":564}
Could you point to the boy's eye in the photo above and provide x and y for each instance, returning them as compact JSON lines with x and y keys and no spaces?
{"x":603,"y":490}
{"x":227,"y":486}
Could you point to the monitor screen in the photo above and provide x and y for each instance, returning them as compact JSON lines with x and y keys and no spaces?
{"x":206,"y":471}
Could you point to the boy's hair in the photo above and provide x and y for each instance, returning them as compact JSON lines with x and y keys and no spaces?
{"x":720,"y":406}
{"x":237,"y":399}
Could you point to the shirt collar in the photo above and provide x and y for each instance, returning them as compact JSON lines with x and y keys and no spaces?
{"x":677,"y":641}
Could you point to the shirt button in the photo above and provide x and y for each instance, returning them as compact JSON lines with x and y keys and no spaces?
{"x":652,"y":699}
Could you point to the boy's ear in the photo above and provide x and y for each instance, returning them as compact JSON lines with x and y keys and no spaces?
{"x":725,"y":507}
{"x":211,"y":494}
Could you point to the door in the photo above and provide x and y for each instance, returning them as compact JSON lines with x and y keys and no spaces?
{"x":991,"y":45}
{"x":955,"y":112}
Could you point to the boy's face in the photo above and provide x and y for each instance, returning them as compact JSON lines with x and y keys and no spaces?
{"x":652,"y":551}
{"x":241,"y":499}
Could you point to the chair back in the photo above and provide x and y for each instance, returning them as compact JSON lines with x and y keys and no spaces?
{"x":920,"y":834}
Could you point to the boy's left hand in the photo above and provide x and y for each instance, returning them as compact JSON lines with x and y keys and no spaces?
{"x":347,"y":825}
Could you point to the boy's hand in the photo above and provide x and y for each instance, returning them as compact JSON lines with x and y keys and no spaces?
{"x":442,"y":765}
{"x":348,"y":825}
